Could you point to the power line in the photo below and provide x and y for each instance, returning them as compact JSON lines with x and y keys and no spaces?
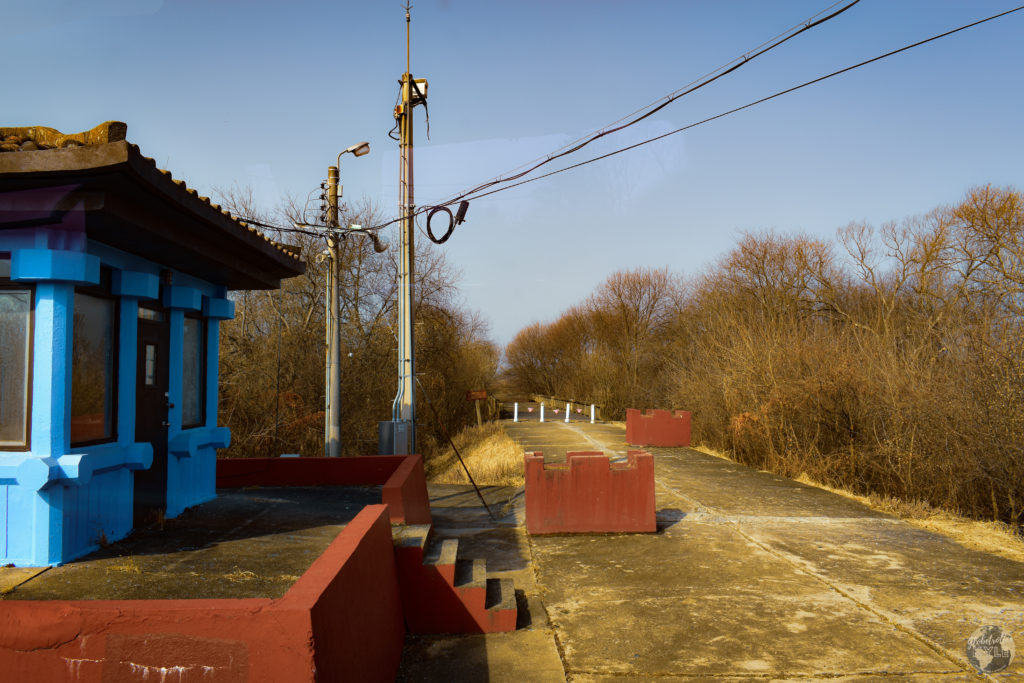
{"x":804,"y":25}
{"x":648,"y":110}
{"x":746,"y":106}
{"x":469,"y":195}
{"x":668,"y":99}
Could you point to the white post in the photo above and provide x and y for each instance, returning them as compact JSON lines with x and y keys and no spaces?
{"x":515,"y":412}
{"x":541,"y":412}
{"x":568,"y":409}
{"x":591,"y":413}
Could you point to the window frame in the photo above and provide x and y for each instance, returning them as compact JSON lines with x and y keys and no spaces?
{"x":103,"y":290}
{"x":201,"y":380}
{"x":7,"y":284}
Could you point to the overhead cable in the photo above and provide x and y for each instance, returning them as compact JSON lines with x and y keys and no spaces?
{"x":752,"y":104}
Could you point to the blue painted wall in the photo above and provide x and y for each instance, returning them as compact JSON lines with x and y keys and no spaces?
{"x":58,"y":503}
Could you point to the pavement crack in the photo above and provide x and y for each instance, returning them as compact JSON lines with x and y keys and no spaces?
{"x":881,"y":614}
{"x":596,"y":443}
{"x":547,"y":613}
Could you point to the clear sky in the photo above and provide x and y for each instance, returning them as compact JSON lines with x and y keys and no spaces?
{"x":267,"y":93}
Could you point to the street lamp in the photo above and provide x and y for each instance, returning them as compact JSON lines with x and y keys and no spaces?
{"x":332,"y":440}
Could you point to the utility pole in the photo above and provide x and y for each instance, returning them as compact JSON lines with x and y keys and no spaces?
{"x":333,"y":427}
{"x":399,"y":436}
{"x":332,"y":379}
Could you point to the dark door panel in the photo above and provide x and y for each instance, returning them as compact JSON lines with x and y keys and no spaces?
{"x":151,"y":406}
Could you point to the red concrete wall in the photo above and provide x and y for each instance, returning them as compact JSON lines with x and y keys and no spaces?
{"x":405,"y":485}
{"x":341,"y":621}
{"x":590,"y":494}
{"x":658,"y":428}
{"x":351,"y":594}
{"x":406,"y":492}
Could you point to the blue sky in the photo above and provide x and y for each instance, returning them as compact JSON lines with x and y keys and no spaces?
{"x":267,"y":93}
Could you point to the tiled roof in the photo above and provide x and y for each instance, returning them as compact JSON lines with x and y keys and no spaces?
{"x":40,"y":138}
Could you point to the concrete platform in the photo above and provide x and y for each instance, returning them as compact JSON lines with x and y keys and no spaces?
{"x":756,"y":577}
{"x":247,"y":543}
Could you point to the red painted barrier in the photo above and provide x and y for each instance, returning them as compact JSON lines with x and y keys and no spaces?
{"x":342,"y":620}
{"x":405,"y":484}
{"x":658,"y":428}
{"x":590,"y":494}
{"x":406,"y":492}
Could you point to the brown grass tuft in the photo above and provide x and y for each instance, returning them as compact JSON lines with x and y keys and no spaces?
{"x":492,"y":457}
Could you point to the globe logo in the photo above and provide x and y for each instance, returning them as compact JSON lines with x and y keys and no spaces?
{"x":990,"y":649}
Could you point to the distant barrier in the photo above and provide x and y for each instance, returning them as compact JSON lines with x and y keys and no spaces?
{"x":658,"y":428}
{"x":570,"y":408}
{"x":578,"y":407}
{"x":590,"y":494}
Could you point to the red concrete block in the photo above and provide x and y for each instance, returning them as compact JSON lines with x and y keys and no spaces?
{"x":402,"y":476}
{"x":342,"y":620}
{"x":590,"y":494}
{"x":658,"y":428}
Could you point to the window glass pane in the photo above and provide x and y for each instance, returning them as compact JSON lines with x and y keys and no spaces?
{"x":15,"y":311}
{"x":5,"y":267}
{"x":192,"y":382}
{"x":92,"y":369}
{"x":150,"y":314}
{"x":150,"y":365}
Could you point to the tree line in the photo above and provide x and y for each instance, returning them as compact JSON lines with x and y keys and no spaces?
{"x":888,"y":360}
{"x":273,"y":354}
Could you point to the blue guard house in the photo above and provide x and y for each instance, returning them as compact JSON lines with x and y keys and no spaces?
{"x":114,"y":278}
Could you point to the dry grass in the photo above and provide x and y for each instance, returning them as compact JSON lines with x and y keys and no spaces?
{"x":708,"y":450}
{"x":128,"y":565}
{"x":492,"y":457}
{"x":996,"y":538}
{"x":239,"y":575}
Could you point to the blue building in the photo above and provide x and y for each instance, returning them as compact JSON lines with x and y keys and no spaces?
{"x":114,"y":278}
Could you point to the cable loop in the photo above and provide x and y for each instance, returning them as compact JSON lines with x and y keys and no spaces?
{"x":451,"y":225}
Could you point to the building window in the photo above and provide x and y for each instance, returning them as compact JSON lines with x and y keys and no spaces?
{"x":15,"y":359}
{"x":93,"y":363}
{"x":194,"y":379}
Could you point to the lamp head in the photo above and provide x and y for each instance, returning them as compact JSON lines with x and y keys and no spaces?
{"x":359,"y":149}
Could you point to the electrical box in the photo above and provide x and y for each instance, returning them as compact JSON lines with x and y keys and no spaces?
{"x":421,"y":84}
{"x":393,"y":437}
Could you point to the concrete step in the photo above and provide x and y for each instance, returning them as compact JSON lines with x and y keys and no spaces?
{"x":500,"y":606}
{"x":412,"y":536}
{"x":442,"y":556}
{"x":442,"y":593}
{"x":444,"y":552}
{"x":470,"y":573}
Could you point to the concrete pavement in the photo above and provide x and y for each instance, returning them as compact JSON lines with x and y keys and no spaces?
{"x":750,"y":577}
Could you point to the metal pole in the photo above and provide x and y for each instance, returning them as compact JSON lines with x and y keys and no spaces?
{"x":334,"y":334}
{"x":404,"y":407}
